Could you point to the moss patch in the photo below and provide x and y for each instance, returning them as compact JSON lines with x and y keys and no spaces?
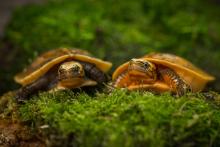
{"x":124,"y":119}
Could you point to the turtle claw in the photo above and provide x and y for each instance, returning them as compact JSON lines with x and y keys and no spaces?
{"x":183,"y":89}
{"x":22,"y":95}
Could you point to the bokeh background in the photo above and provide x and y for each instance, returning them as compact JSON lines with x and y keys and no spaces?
{"x":109,"y":29}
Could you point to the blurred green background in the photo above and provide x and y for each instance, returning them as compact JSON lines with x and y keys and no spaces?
{"x":113,"y":30}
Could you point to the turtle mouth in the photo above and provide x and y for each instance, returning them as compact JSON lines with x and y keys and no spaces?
{"x":69,"y":77}
{"x":71,"y":82}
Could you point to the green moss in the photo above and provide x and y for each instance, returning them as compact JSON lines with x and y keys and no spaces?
{"x":117,"y":32}
{"x":125,"y":119}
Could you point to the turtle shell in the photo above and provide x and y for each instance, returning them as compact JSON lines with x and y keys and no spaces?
{"x":192,"y":75}
{"x":47,"y":60}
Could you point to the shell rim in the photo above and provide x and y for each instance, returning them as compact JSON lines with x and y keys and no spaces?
{"x":101,"y":64}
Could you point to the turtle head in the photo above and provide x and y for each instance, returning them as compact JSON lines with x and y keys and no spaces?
{"x":143,"y":68}
{"x":71,"y":74}
{"x":69,"y":71}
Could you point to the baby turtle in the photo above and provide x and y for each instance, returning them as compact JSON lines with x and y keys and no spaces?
{"x":161,"y":72}
{"x":60,"y":69}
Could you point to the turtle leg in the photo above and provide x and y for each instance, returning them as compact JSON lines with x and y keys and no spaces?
{"x":177,"y":85}
{"x":127,"y":80}
{"x":93,"y":72}
{"x":123,"y":80}
{"x":41,"y":84}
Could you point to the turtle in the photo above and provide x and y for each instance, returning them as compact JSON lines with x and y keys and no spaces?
{"x":59,"y":69}
{"x":161,"y":72}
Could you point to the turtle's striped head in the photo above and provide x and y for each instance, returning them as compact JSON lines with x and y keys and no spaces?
{"x":70,"y":70}
{"x":141,"y":67}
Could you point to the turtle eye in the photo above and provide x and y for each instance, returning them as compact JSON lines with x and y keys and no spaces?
{"x":145,"y":65}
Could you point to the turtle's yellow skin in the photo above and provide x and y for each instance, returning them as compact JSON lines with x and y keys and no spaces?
{"x":60,"y":69}
{"x":161,"y":72}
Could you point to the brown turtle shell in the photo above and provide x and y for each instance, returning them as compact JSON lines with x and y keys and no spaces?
{"x":47,"y":60}
{"x":192,"y":75}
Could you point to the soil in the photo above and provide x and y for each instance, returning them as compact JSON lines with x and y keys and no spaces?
{"x":16,"y":134}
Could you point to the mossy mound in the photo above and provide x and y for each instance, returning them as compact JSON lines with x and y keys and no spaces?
{"x":123,"y":119}
{"x":115,"y":31}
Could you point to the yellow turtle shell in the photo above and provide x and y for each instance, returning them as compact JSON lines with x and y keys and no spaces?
{"x":47,"y":60}
{"x":192,"y":75}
